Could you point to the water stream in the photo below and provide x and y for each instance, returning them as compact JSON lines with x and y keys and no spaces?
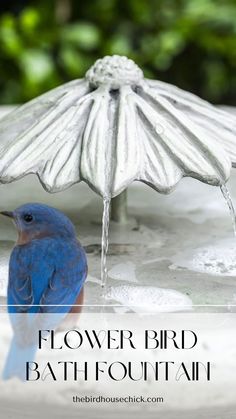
{"x":227,"y":197}
{"x":105,"y":232}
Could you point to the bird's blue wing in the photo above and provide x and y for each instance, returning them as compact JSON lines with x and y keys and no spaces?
{"x":29,"y":273}
{"x":46,"y":277}
{"x":66,"y":282}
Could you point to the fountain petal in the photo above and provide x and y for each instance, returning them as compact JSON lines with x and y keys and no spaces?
{"x":111,"y":135}
{"x":24,"y":117}
{"x":128,"y":150}
{"x":224,"y":134}
{"x":216,"y":123}
{"x":158,"y":168}
{"x":44,"y":137}
{"x":95,"y":163}
{"x":185,"y":143}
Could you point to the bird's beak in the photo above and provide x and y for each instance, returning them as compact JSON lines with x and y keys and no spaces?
{"x":7,"y":213}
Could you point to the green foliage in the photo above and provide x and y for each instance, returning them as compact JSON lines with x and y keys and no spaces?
{"x":190,"y":43}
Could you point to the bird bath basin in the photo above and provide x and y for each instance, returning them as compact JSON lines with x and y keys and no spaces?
{"x":179,"y":254}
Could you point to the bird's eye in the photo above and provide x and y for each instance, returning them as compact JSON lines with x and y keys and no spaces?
{"x":28,"y":218}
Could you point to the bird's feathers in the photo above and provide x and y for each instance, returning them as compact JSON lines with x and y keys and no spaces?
{"x":16,"y":360}
{"x":45,"y":275}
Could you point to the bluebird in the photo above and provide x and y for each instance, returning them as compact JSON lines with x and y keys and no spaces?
{"x":47,"y":271}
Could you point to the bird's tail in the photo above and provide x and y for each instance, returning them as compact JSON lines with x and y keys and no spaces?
{"x":17,"y":357}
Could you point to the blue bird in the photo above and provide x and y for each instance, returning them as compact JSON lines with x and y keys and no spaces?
{"x":47,"y":271}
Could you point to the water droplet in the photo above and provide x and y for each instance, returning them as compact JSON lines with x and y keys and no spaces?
{"x":159,"y":128}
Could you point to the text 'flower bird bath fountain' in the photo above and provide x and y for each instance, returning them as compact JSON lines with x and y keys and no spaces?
{"x":114,"y":127}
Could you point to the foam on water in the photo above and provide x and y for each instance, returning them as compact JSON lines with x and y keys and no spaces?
{"x":145,"y":299}
{"x":219,"y":259}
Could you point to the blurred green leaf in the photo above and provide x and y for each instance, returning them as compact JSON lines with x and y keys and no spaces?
{"x":73,"y":62}
{"x":36,"y":65}
{"x":190,"y":43}
{"x":29,"y":19}
{"x":84,"y":35}
{"x":118,"y":44}
{"x":216,"y":82}
{"x":11,"y":42}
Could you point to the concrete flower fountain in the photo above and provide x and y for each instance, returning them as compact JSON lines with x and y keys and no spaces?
{"x":112,"y":128}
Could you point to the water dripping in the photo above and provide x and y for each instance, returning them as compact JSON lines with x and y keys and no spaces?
{"x":228,"y":199}
{"x":105,"y":233}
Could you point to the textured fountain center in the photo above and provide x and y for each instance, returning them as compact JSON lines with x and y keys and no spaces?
{"x":115,"y":71}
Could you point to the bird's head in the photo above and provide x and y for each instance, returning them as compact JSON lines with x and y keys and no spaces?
{"x":35,"y":221}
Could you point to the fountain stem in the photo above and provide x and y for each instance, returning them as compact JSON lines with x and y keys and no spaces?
{"x":119,"y":208}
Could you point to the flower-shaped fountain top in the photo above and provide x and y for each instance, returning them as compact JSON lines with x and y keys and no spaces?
{"x":114,"y":127}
